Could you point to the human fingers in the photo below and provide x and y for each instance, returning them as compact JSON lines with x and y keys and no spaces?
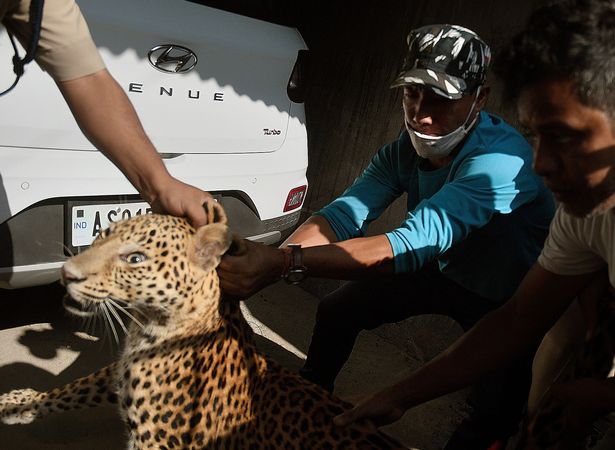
{"x":380,"y":409}
{"x":346,"y":418}
{"x":233,"y":285}
{"x":193,"y":208}
{"x":238,"y":274}
{"x":254,"y":267}
{"x":182,"y":200}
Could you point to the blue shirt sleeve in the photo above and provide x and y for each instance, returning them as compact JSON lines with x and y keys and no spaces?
{"x":484,"y":184}
{"x":371,"y":193}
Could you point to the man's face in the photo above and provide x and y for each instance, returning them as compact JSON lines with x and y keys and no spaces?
{"x":574,"y":146}
{"x":429,"y":113}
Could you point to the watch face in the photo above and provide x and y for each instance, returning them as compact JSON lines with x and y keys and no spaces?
{"x":295,"y":275}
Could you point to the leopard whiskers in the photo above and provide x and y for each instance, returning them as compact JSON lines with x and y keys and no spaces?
{"x":127,"y":306}
{"x":104,"y":309}
{"x":111,"y":308}
{"x":90,"y":324}
{"x":104,"y":323}
{"x":124,"y":309}
{"x":68,"y":251}
{"x":100,"y":325}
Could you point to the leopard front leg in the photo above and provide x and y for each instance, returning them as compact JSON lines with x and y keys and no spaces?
{"x":23,"y":406}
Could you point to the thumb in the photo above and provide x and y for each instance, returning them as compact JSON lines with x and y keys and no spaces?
{"x":345,"y":418}
{"x":196,"y":217}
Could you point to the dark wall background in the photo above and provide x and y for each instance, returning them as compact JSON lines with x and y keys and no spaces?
{"x":356,"y":49}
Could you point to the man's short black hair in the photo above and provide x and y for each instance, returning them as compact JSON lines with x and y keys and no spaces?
{"x":569,"y":39}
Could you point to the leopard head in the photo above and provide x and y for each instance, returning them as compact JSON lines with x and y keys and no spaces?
{"x":150,"y":268}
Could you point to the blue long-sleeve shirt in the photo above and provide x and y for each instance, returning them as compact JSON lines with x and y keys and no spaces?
{"x":483,"y":217}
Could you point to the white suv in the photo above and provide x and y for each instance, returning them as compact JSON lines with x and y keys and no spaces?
{"x":213,"y":91}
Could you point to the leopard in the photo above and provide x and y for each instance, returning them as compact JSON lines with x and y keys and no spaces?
{"x":189,"y":374}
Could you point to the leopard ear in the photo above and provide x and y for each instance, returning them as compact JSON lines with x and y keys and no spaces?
{"x":209,"y":243}
{"x":215,"y":212}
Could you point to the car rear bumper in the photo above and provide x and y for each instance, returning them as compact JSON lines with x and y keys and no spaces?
{"x":36,"y":245}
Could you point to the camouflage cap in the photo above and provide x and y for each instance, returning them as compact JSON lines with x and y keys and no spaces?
{"x":450,"y":59}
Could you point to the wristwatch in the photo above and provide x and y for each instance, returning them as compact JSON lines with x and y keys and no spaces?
{"x":295,"y":272}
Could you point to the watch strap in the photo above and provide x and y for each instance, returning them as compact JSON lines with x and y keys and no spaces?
{"x":293,"y":260}
{"x":286,"y":251}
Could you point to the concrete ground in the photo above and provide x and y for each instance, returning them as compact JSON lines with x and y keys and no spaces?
{"x":40,"y":347}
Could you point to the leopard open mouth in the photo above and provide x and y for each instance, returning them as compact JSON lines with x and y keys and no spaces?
{"x":77,"y":308}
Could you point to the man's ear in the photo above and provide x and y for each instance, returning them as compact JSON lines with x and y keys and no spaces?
{"x":483,"y":95}
{"x":209,"y":243}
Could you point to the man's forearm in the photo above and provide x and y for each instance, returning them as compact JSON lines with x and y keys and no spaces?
{"x":477,"y":353}
{"x":314,"y":231}
{"x":500,"y":337}
{"x":351,"y":259}
{"x":587,"y":394}
{"x":495,"y":340}
{"x":109,"y":121}
{"x":325,"y":257}
{"x":258,"y":265}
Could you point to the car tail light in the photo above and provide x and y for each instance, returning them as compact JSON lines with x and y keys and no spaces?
{"x":295,"y":198}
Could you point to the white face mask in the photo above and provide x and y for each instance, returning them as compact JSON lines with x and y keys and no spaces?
{"x":428,"y":146}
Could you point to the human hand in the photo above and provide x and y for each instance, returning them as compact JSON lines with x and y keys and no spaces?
{"x":250,"y":269}
{"x":182,"y":200}
{"x":382,"y":408}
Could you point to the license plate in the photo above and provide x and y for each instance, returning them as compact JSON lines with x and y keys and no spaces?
{"x":87,"y":221}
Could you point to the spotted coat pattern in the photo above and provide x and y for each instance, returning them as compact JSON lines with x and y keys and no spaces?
{"x":189,"y":376}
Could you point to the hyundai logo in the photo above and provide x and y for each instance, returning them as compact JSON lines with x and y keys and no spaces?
{"x":171,"y":58}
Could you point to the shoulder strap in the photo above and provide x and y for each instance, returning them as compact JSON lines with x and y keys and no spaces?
{"x":36,"y":17}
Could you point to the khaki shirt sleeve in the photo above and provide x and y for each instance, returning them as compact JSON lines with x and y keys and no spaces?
{"x":65,"y":48}
{"x":566,"y":250}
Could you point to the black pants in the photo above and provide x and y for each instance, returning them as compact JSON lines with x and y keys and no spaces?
{"x":496,"y":403}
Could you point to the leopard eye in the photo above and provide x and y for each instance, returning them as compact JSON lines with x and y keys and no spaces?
{"x":134,"y":258}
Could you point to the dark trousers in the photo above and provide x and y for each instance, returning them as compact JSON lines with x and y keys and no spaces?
{"x":496,"y":403}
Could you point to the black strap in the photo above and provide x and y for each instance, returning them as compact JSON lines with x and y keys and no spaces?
{"x":36,"y":18}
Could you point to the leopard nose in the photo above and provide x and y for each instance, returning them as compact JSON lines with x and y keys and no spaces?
{"x":69,"y":274}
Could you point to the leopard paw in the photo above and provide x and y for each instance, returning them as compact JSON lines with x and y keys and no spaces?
{"x":19,"y":406}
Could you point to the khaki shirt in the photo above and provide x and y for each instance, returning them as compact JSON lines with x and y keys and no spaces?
{"x":65,"y":48}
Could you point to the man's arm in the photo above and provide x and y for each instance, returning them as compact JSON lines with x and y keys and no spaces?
{"x":107,"y":118}
{"x":587,"y":394}
{"x":349,"y":259}
{"x":259,"y":265}
{"x":500,"y":337}
{"x":314,"y":231}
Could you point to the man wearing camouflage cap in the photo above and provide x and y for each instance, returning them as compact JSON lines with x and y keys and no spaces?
{"x":477,"y":218}
{"x":449,"y":59}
